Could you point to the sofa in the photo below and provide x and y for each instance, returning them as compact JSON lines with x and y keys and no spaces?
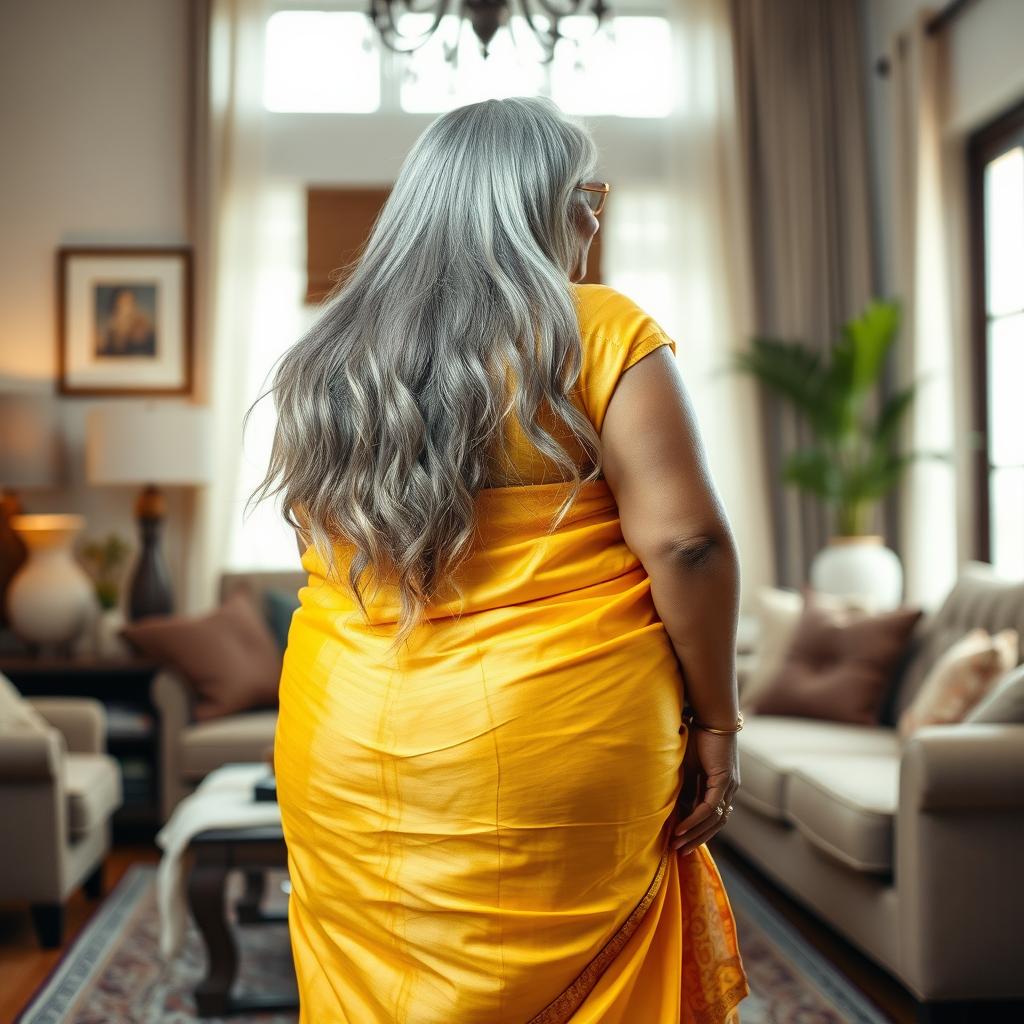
{"x":190,"y":749}
{"x":58,"y":792}
{"x":911,"y":850}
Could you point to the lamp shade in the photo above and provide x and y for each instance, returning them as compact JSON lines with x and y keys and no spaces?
{"x":31,"y":449}
{"x":148,"y":443}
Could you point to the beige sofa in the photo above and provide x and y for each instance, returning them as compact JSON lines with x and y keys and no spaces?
{"x":58,"y":791}
{"x":190,"y":750}
{"x":913,"y":851}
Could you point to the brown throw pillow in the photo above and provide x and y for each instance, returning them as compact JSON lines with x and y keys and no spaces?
{"x":839,"y":664}
{"x":228,"y":657}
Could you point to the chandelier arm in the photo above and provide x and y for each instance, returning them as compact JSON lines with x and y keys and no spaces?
{"x":546,"y":39}
{"x":554,"y":11}
{"x":391,"y":28}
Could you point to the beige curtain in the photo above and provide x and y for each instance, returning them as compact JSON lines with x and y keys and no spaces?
{"x":800,"y":90}
{"x":708,"y":307}
{"x":927,"y":209}
{"x":227,"y":205}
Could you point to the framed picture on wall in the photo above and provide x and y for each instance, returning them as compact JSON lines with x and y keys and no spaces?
{"x":124,"y":320}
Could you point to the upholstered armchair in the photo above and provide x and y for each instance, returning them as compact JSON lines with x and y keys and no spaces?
{"x":58,"y":791}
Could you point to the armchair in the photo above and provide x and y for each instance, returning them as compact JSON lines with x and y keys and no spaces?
{"x":61,"y":789}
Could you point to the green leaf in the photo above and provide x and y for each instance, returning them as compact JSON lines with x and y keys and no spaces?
{"x":791,"y":371}
{"x":891,"y":416}
{"x":811,"y":469}
{"x":867,"y":340}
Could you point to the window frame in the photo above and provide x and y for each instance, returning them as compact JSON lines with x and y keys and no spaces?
{"x":998,"y":136}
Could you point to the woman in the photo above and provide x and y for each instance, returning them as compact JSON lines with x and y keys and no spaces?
{"x":515,"y":556}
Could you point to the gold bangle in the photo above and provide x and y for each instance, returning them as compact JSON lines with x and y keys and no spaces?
{"x":693,"y":723}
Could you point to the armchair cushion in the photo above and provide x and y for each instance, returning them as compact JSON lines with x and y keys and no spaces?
{"x":93,"y":786}
{"x":16,"y":714}
{"x":81,"y":720}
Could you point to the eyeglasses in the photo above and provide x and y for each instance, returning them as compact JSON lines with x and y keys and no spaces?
{"x":596,"y":194}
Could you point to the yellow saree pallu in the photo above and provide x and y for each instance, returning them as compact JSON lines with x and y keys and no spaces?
{"x":478,"y":829}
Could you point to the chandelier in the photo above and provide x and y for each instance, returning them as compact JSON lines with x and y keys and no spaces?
{"x":485,"y":17}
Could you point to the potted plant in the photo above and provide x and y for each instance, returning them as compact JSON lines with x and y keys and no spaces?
{"x":854,"y":459}
{"x":105,"y":561}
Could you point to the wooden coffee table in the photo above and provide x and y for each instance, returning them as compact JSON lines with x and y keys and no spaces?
{"x":215,"y":854}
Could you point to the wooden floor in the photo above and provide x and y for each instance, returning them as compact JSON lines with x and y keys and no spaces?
{"x":23,"y":966}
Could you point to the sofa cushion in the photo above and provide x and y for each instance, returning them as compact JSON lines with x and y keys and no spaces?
{"x":770,"y":746}
{"x":980,"y":597}
{"x":845,"y":804}
{"x":228,"y":657}
{"x":92,"y":783}
{"x":241,"y":737}
{"x":839,"y":664}
{"x":960,"y":678}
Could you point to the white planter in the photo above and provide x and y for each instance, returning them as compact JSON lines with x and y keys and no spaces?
{"x":51,"y":599}
{"x":860,"y":568}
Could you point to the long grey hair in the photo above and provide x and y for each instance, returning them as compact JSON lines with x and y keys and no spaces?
{"x":392,"y":406}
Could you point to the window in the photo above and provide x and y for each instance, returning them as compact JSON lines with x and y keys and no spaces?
{"x":997,"y":215}
{"x":321,"y":62}
{"x":332,"y":62}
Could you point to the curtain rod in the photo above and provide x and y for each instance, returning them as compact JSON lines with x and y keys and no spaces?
{"x":935,"y":24}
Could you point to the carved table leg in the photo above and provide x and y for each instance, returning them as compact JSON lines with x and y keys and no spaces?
{"x":206,"y":883}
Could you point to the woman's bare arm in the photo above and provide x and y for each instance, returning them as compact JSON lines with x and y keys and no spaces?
{"x":673,"y":520}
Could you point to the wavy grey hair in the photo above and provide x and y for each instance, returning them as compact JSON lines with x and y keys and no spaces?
{"x":393,"y":405}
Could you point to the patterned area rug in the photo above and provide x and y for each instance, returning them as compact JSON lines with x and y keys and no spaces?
{"x":113,"y":971}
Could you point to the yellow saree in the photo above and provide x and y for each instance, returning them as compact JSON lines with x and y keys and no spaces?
{"x":478,"y":831}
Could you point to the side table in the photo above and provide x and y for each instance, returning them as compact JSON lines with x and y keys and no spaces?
{"x":216,"y":853}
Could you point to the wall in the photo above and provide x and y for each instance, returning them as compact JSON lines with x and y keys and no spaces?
{"x":93,"y":121}
{"x":985,"y":77}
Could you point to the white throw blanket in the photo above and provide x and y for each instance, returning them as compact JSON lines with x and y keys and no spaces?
{"x":223,"y":800}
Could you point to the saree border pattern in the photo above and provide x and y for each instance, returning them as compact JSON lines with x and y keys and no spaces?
{"x":564,"y":1005}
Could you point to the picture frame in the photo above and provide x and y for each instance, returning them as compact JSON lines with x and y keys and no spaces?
{"x":124,"y":320}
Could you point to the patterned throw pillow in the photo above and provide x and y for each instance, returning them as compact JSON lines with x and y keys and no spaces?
{"x":960,"y":678}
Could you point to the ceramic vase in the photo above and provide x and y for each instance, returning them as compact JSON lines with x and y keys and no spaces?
{"x":861,"y":568}
{"x":51,"y":600}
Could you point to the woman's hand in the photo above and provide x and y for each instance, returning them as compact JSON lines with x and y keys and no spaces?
{"x":714,"y":757}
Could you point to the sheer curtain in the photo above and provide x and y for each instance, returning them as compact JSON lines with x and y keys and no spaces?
{"x":248,"y":263}
{"x":928,"y":202}
{"x":702,"y":292}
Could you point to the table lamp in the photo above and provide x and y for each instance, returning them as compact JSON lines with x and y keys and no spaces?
{"x":31,"y":456}
{"x":151,"y":444}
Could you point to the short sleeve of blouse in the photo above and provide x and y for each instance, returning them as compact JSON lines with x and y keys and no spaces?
{"x":616,"y":335}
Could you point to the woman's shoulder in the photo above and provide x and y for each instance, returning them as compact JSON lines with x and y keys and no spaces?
{"x":612,"y":317}
{"x":616,"y":333}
